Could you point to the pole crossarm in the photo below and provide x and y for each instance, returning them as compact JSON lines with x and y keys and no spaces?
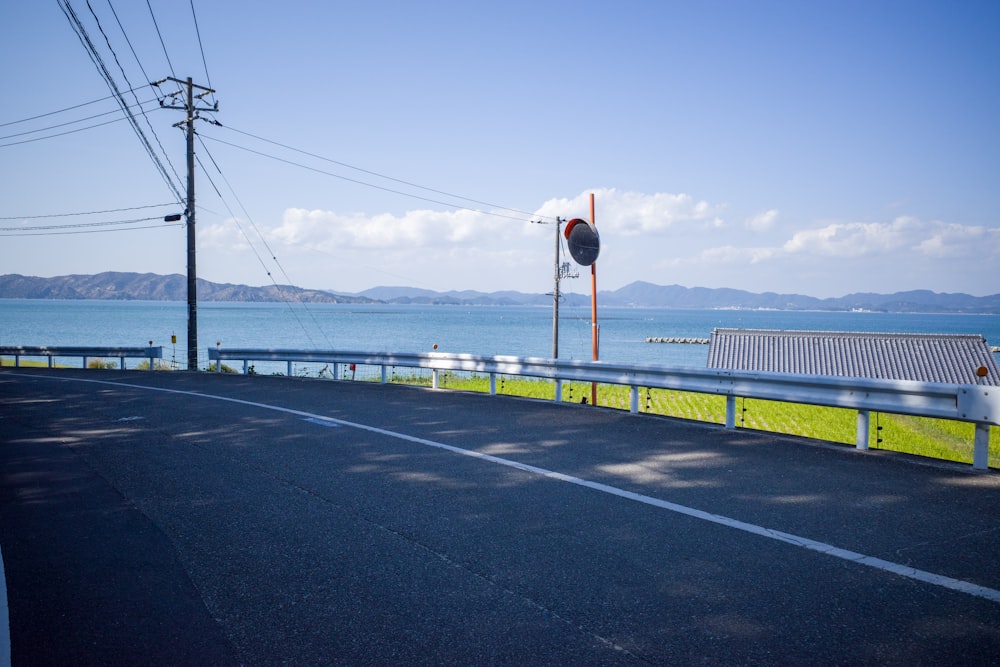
{"x":205,"y":91}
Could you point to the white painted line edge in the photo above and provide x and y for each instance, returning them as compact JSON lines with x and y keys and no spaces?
{"x":4,"y":619}
{"x":323,"y":421}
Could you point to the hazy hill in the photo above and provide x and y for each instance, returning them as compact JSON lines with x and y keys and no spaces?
{"x":153,"y":287}
{"x":648,"y":295}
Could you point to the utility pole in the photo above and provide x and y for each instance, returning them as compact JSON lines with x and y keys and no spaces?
{"x":562,"y":270}
{"x":555,"y":298}
{"x":191,"y":114}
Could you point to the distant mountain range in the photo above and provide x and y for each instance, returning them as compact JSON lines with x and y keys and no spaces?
{"x":153,"y":287}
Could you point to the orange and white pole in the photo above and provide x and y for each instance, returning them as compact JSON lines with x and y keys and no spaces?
{"x":593,"y":308}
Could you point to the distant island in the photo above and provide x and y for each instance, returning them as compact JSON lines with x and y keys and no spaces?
{"x":154,"y":287}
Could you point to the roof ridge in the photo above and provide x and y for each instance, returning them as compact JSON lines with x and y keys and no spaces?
{"x":803,"y":333}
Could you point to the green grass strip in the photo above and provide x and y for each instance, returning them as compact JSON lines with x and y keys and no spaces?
{"x":923,"y":436}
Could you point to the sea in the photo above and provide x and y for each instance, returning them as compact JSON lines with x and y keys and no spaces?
{"x":523,"y":331}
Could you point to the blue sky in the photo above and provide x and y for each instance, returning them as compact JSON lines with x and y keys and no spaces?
{"x":820,"y":148}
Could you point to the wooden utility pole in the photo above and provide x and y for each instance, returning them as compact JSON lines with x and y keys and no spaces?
{"x":191,"y":114}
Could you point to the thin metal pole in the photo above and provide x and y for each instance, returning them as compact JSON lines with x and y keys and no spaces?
{"x":555,"y":314}
{"x":593,"y":308}
{"x":555,"y":298}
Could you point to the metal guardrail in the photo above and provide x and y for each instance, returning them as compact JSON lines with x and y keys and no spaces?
{"x":122,"y":353}
{"x":977,"y":404}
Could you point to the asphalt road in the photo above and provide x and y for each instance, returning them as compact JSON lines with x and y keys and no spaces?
{"x":180,"y":518}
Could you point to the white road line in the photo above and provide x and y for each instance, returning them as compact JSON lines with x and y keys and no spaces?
{"x":4,"y":619}
{"x":322,"y":422}
{"x":966,"y":587}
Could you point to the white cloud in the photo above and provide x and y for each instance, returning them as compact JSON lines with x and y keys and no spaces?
{"x":225,"y":235}
{"x":762,"y":221}
{"x":619,"y":214}
{"x":629,"y":213}
{"x":328,"y":231}
{"x":854,"y":239}
{"x":924,"y":252}
{"x":726,"y":254}
{"x":661,"y":237}
{"x":958,"y":241}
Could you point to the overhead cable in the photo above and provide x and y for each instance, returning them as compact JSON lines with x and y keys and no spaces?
{"x":128,"y":41}
{"x":85,"y":227}
{"x":52,"y":113}
{"x":92,"y":231}
{"x":201,"y":48}
{"x":65,"y":215}
{"x":114,"y":54}
{"x":388,"y":178}
{"x":365,"y":183}
{"x":79,"y":224}
{"x":236,"y":220}
{"x":95,"y":57}
{"x":70,"y":122}
{"x":170,"y":65}
{"x":61,"y":134}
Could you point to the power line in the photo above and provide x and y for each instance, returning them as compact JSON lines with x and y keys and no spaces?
{"x":128,"y":41}
{"x":61,"y":134}
{"x":65,"y":215}
{"x":170,"y":65}
{"x":260,"y":259}
{"x":129,"y":83}
{"x":79,"y":224}
{"x":52,"y":113}
{"x":85,"y":227}
{"x":201,"y":48}
{"x":375,"y":173}
{"x":372,"y":185}
{"x":92,"y":231}
{"x":102,"y":69}
{"x":70,"y":122}
{"x":263,"y":240}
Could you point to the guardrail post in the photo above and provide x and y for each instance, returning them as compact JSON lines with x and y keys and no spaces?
{"x":730,"y":411}
{"x":434,"y":378}
{"x":384,"y":374}
{"x":288,"y":370}
{"x":981,"y":447}
{"x":121,"y":363}
{"x":50,"y":361}
{"x":864,"y":428}
{"x":493,"y":384}
{"x":633,"y":399}
{"x":84,"y":362}
{"x":336,"y":371}
{"x":246,"y":366}
{"x":558,"y":397}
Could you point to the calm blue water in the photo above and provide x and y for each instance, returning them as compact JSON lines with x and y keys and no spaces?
{"x":487,"y":330}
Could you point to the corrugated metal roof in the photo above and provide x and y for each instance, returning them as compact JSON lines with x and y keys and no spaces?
{"x":950,"y":358}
